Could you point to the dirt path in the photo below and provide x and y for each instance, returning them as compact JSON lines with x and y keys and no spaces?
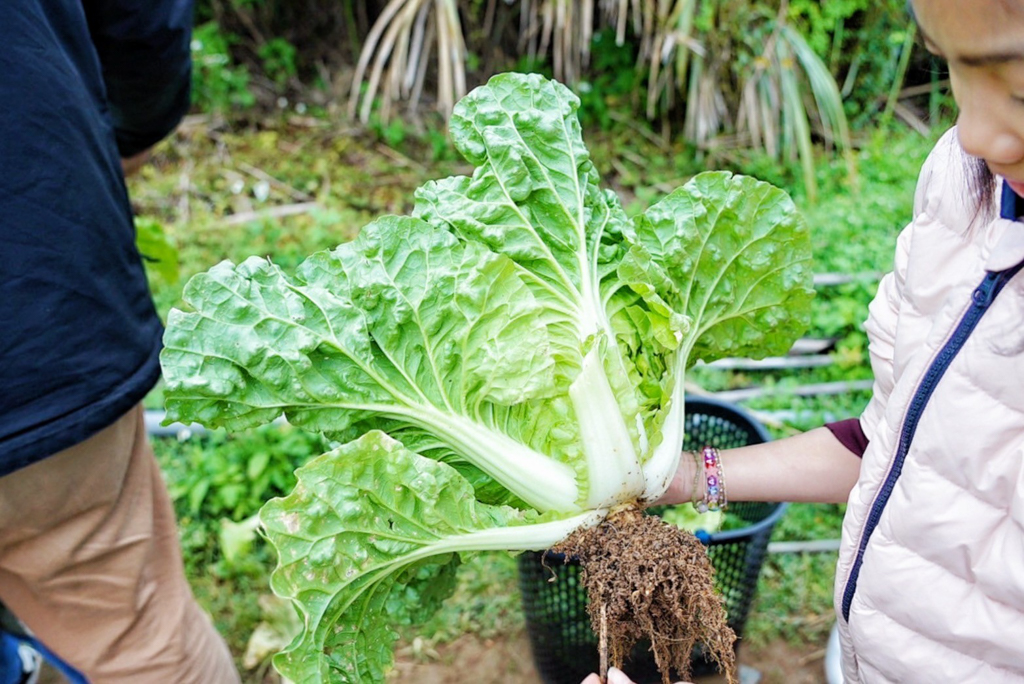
{"x":508,"y":661}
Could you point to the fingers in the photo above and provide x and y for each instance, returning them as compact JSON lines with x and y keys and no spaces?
{"x":130,"y":165}
{"x":617,"y":676}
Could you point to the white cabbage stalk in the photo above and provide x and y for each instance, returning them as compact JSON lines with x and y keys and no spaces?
{"x":612,"y":461}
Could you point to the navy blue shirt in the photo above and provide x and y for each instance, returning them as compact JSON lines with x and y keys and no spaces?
{"x":82,"y":84}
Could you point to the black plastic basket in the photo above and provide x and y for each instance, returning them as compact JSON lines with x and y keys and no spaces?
{"x":564,"y":646}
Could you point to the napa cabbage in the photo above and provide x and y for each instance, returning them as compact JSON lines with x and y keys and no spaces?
{"x":500,"y":367}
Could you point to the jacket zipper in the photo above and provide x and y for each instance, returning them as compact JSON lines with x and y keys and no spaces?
{"x":983,"y":297}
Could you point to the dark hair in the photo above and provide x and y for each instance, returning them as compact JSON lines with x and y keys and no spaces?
{"x":981,"y":186}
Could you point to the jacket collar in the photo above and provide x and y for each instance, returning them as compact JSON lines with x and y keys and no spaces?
{"x":1009,"y":247}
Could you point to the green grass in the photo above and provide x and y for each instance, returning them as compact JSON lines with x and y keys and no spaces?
{"x":486,"y":603}
{"x":207,"y":177}
{"x":794,"y":600}
{"x":794,"y":594}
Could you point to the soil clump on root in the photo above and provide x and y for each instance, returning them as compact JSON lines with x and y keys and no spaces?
{"x":647,"y":579}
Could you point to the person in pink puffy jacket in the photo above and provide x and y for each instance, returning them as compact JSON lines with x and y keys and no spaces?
{"x":930,"y":580}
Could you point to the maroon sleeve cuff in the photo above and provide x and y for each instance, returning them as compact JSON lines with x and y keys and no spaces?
{"x":850,"y":435}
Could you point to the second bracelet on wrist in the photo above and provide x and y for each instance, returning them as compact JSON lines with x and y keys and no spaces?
{"x":709,"y":481}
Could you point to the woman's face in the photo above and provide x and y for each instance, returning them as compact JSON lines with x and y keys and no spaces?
{"x":983,"y":43}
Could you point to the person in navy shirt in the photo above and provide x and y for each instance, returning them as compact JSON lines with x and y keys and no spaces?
{"x":89,"y":558}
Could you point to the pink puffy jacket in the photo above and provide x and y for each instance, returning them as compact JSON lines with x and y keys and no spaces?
{"x":930,"y":580}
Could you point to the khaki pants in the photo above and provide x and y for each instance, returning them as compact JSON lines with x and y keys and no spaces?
{"x":90,"y":562}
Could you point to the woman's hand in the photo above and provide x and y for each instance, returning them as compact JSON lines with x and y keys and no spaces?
{"x":129,"y":165}
{"x":615,"y":676}
{"x":680,"y":489}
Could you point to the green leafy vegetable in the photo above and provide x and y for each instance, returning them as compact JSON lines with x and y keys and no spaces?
{"x":503,"y":366}
{"x":373,"y":532}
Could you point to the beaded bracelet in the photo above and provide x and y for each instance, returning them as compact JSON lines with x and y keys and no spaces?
{"x":712,"y":476}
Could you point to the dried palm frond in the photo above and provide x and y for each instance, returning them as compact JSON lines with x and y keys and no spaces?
{"x":738,"y":70}
{"x":400,"y":42}
{"x":664,"y":33}
{"x":774,"y":110}
{"x":706,"y":110}
{"x":671,"y":43}
{"x":774,"y":89}
{"x":565,"y":27}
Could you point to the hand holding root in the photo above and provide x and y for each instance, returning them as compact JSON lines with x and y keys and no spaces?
{"x":615,"y":676}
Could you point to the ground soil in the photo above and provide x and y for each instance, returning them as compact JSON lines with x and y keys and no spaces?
{"x":509,"y":661}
